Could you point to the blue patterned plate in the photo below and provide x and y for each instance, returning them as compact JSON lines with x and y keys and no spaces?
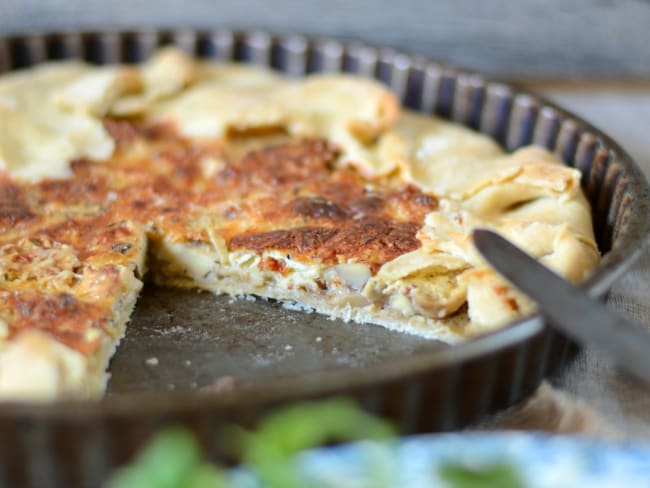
{"x":473,"y":461}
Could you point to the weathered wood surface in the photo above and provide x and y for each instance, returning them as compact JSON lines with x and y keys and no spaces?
{"x":510,"y":39}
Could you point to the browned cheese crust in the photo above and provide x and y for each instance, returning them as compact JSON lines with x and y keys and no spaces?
{"x":284,"y":195}
{"x":320,"y":192}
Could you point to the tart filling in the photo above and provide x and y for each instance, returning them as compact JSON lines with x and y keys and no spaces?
{"x":320,"y":192}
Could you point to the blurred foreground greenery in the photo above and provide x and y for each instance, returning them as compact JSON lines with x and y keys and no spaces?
{"x":173,"y":458}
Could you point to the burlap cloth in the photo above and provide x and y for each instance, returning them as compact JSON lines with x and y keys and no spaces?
{"x":592,"y":396}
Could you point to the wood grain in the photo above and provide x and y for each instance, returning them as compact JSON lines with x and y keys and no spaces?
{"x":525,"y":39}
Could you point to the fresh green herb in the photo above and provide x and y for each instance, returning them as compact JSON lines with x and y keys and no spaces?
{"x":173,"y":460}
{"x":270,"y":451}
{"x":206,"y":476}
{"x":497,"y":475}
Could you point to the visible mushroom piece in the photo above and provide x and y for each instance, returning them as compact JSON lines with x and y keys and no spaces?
{"x":354,"y":275}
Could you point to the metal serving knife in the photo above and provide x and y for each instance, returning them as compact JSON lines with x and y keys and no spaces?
{"x":567,"y":307}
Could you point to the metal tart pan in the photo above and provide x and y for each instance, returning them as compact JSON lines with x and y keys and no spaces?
{"x":279,"y":356}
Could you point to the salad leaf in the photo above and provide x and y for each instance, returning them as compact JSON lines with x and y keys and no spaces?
{"x":270,"y":451}
{"x":497,"y":475}
{"x":172,"y":459}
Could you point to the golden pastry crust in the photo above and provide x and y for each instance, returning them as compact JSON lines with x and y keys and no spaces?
{"x":236,"y":180}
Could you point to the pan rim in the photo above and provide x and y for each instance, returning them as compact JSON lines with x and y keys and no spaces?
{"x":625,"y":250}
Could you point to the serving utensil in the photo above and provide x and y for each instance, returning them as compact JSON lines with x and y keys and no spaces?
{"x":567,"y":307}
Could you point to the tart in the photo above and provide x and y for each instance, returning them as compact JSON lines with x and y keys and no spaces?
{"x":321,"y":192}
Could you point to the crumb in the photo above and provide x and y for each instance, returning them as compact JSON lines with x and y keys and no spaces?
{"x":188,"y":362}
{"x":319,"y":339}
{"x":288,"y":347}
{"x":299,"y":307}
{"x":153,"y":361}
{"x":223,"y":384}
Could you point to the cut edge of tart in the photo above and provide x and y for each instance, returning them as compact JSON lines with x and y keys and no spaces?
{"x":320,"y":192}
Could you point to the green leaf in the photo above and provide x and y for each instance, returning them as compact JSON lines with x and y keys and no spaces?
{"x":131,"y":477}
{"x":172,"y":459}
{"x":306,"y":425}
{"x":166,"y":462}
{"x":269,"y":452}
{"x":207,"y":476}
{"x":497,"y":475}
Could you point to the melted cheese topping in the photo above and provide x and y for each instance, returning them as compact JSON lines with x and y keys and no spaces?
{"x":237,"y":180}
{"x":62,"y":105}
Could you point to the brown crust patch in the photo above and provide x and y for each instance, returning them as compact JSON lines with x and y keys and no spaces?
{"x":373,"y":242}
{"x":13,"y":208}
{"x":125,"y":132}
{"x":62,"y":315}
{"x":317,"y":207}
{"x":276,"y":167}
{"x":287,"y":195}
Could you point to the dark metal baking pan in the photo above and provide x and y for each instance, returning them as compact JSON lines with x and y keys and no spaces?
{"x":260,"y":354}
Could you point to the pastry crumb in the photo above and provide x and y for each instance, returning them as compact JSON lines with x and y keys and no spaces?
{"x":152,"y":361}
{"x":223,"y":384}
